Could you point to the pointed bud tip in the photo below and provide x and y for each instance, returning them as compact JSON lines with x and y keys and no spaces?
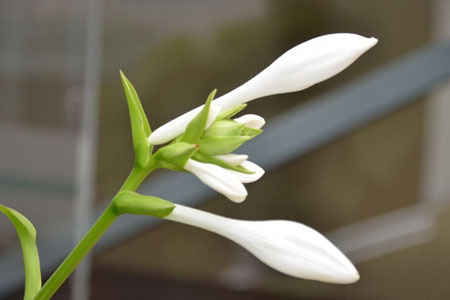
{"x":348,"y":275}
{"x":371,"y":42}
{"x":349,"y":278}
{"x":237,"y":198}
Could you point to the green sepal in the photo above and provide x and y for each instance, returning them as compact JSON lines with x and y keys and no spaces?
{"x":197,"y":125}
{"x":27,"y":237}
{"x":128,"y":202}
{"x":225,"y":128}
{"x":252,"y":132}
{"x":208,"y":159}
{"x":228,"y":113}
{"x":140,"y":128}
{"x":176,"y":154}
{"x":214,"y":145}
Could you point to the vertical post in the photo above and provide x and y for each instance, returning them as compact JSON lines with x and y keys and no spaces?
{"x":436,"y":161}
{"x":11,"y":78}
{"x":87,"y":142}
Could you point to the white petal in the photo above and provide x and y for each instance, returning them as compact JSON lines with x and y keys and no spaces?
{"x":252,"y":121}
{"x":258,"y":172}
{"x":299,"y":68}
{"x":289,"y":247}
{"x":233,"y":159}
{"x":219,"y":179}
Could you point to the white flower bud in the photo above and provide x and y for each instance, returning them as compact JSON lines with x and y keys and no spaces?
{"x":299,"y":68}
{"x":252,"y":121}
{"x":289,"y":247}
{"x":219,"y":179}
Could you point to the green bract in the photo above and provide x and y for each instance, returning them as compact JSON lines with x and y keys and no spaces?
{"x":251,"y":132}
{"x":204,"y":158}
{"x":228,"y":113}
{"x":214,"y":145}
{"x":128,"y":202}
{"x":176,"y":154}
{"x":197,"y":126}
{"x":225,"y":128}
{"x":140,"y":128}
{"x":27,"y":236}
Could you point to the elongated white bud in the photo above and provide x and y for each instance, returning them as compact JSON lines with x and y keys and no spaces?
{"x":219,"y":179}
{"x":252,"y":121}
{"x":299,"y":68}
{"x":289,"y":247}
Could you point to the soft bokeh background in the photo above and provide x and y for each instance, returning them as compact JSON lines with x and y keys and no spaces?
{"x":175,"y":52}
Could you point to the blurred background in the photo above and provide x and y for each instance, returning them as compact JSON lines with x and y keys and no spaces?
{"x":363,"y":157}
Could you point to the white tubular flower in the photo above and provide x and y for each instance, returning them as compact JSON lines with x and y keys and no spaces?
{"x":299,"y":68}
{"x":218,"y":179}
{"x":252,"y":121}
{"x":289,"y":247}
{"x":232,"y":159}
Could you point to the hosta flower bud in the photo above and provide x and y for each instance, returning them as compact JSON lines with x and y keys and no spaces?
{"x":226,"y":181}
{"x":289,"y":247}
{"x":218,"y":179}
{"x":299,"y":68}
{"x":257,"y":172}
{"x":251,"y":121}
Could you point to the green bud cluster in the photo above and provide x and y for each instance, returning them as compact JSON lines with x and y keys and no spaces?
{"x":199,"y":142}
{"x":202,"y":143}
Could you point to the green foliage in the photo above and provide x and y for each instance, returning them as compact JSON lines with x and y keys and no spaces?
{"x":128,"y":202}
{"x":27,"y":236}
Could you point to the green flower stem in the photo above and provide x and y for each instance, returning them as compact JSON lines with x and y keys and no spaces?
{"x":78,"y":253}
{"x":137,"y":175}
{"x":94,"y":234}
